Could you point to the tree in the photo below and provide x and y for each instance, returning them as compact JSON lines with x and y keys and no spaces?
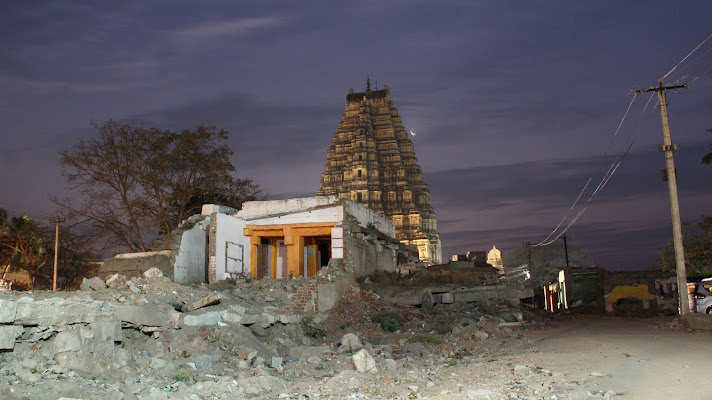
{"x":76,"y":257}
{"x":136,"y":183}
{"x":697,"y":242}
{"x":22,"y":244}
{"x":546,"y":261}
{"x":707,"y":159}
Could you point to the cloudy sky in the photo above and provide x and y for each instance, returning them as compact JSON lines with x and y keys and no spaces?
{"x":514,"y":102}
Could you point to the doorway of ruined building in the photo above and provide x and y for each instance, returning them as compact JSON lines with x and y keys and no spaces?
{"x":317,"y":253}
{"x":272,"y":258}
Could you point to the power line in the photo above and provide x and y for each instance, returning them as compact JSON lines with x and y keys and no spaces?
{"x":685,"y":58}
{"x":677,"y":69}
{"x":604,"y":180}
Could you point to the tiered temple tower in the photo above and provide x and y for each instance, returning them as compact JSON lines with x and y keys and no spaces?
{"x":371,"y":160}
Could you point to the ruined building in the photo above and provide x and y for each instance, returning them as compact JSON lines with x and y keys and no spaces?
{"x":371,"y":161}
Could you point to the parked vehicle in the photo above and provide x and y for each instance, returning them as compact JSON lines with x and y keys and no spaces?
{"x":702,"y":296}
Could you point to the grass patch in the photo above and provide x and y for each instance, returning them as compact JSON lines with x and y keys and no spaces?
{"x":311,"y":328}
{"x":182,"y":375}
{"x":425,"y":338}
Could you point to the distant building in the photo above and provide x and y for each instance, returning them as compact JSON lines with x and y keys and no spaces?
{"x":371,"y":161}
{"x":494,"y":258}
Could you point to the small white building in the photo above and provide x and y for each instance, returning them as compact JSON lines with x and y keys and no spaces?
{"x":283,"y":238}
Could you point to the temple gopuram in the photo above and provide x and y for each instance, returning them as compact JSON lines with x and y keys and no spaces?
{"x":371,"y":161}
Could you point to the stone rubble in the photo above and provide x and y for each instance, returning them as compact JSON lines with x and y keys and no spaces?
{"x":128,"y":339}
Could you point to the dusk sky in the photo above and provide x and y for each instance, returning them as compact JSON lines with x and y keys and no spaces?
{"x":513,"y":102}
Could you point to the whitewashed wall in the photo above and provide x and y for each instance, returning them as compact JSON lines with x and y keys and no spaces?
{"x":253,"y":209}
{"x":333,"y":214}
{"x":229,"y":229}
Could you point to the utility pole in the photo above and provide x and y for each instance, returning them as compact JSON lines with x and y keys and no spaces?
{"x":56,"y":250}
{"x":566,"y":251}
{"x":669,"y":148}
{"x":529,"y":260}
{"x":529,"y":253}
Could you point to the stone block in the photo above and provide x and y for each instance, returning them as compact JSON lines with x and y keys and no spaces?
{"x":67,"y":341}
{"x":363,"y":361}
{"x":244,"y":319}
{"x":447,"y":298}
{"x":209,"y":300}
{"x":330,"y":294}
{"x":428,"y":301}
{"x":337,"y":252}
{"x":56,"y":311}
{"x":153,"y":273}
{"x":156,"y":315}
{"x":697,"y":321}
{"x":8,"y":334}
{"x":116,"y":281}
{"x":108,"y":331}
{"x":350,"y":342}
{"x":204,"y":362}
{"x":267,"y":320}
{"x":208,"y":318}
{"x":7,"y":311}
{"x":337,"y":233}
{"x":97,"y":284}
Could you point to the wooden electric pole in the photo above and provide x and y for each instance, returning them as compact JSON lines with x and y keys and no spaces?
{"x":56,"y":251}
{"x":669,"y":148}
{"x":566,"y":251}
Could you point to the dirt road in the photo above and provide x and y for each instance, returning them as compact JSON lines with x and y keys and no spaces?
{"x":638,"y":358}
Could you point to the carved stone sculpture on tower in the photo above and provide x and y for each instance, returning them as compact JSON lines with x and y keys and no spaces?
{"x":371,"y":160}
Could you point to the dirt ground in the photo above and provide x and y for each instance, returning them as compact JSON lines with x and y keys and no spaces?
{"x":638,"y":358}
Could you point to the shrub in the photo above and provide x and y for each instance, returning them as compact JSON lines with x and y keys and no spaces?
{"x":389,"y":320}
{"x":312,"y":329}
{"x":390,"y":325}
{"x":491,"y":309}
{"x":182,"y":375}
{"x":443,"y":324}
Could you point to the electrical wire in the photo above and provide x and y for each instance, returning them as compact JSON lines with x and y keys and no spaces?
{"x":601,"y":185}
{"x":683,"y":60}
{"x":571,"y":209}
{"x":565,"y":216}
{"x":674,"y":72}
{"x":605,"y":153}
{"x":689,"y":67}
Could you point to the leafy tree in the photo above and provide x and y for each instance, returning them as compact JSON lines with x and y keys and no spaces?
{"x":546,"y":261}
{"x":697,"y":242}
{"x":22,"y":244}
{"x":137,"y":182}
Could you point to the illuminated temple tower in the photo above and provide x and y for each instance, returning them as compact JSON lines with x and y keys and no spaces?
{"x":371,"y":161}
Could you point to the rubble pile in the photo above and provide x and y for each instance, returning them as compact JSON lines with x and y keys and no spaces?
{"x":148,"y":338}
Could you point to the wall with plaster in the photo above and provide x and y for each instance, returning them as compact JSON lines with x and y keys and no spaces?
{"x":190,"y":260}
{"x":228,"y":239}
